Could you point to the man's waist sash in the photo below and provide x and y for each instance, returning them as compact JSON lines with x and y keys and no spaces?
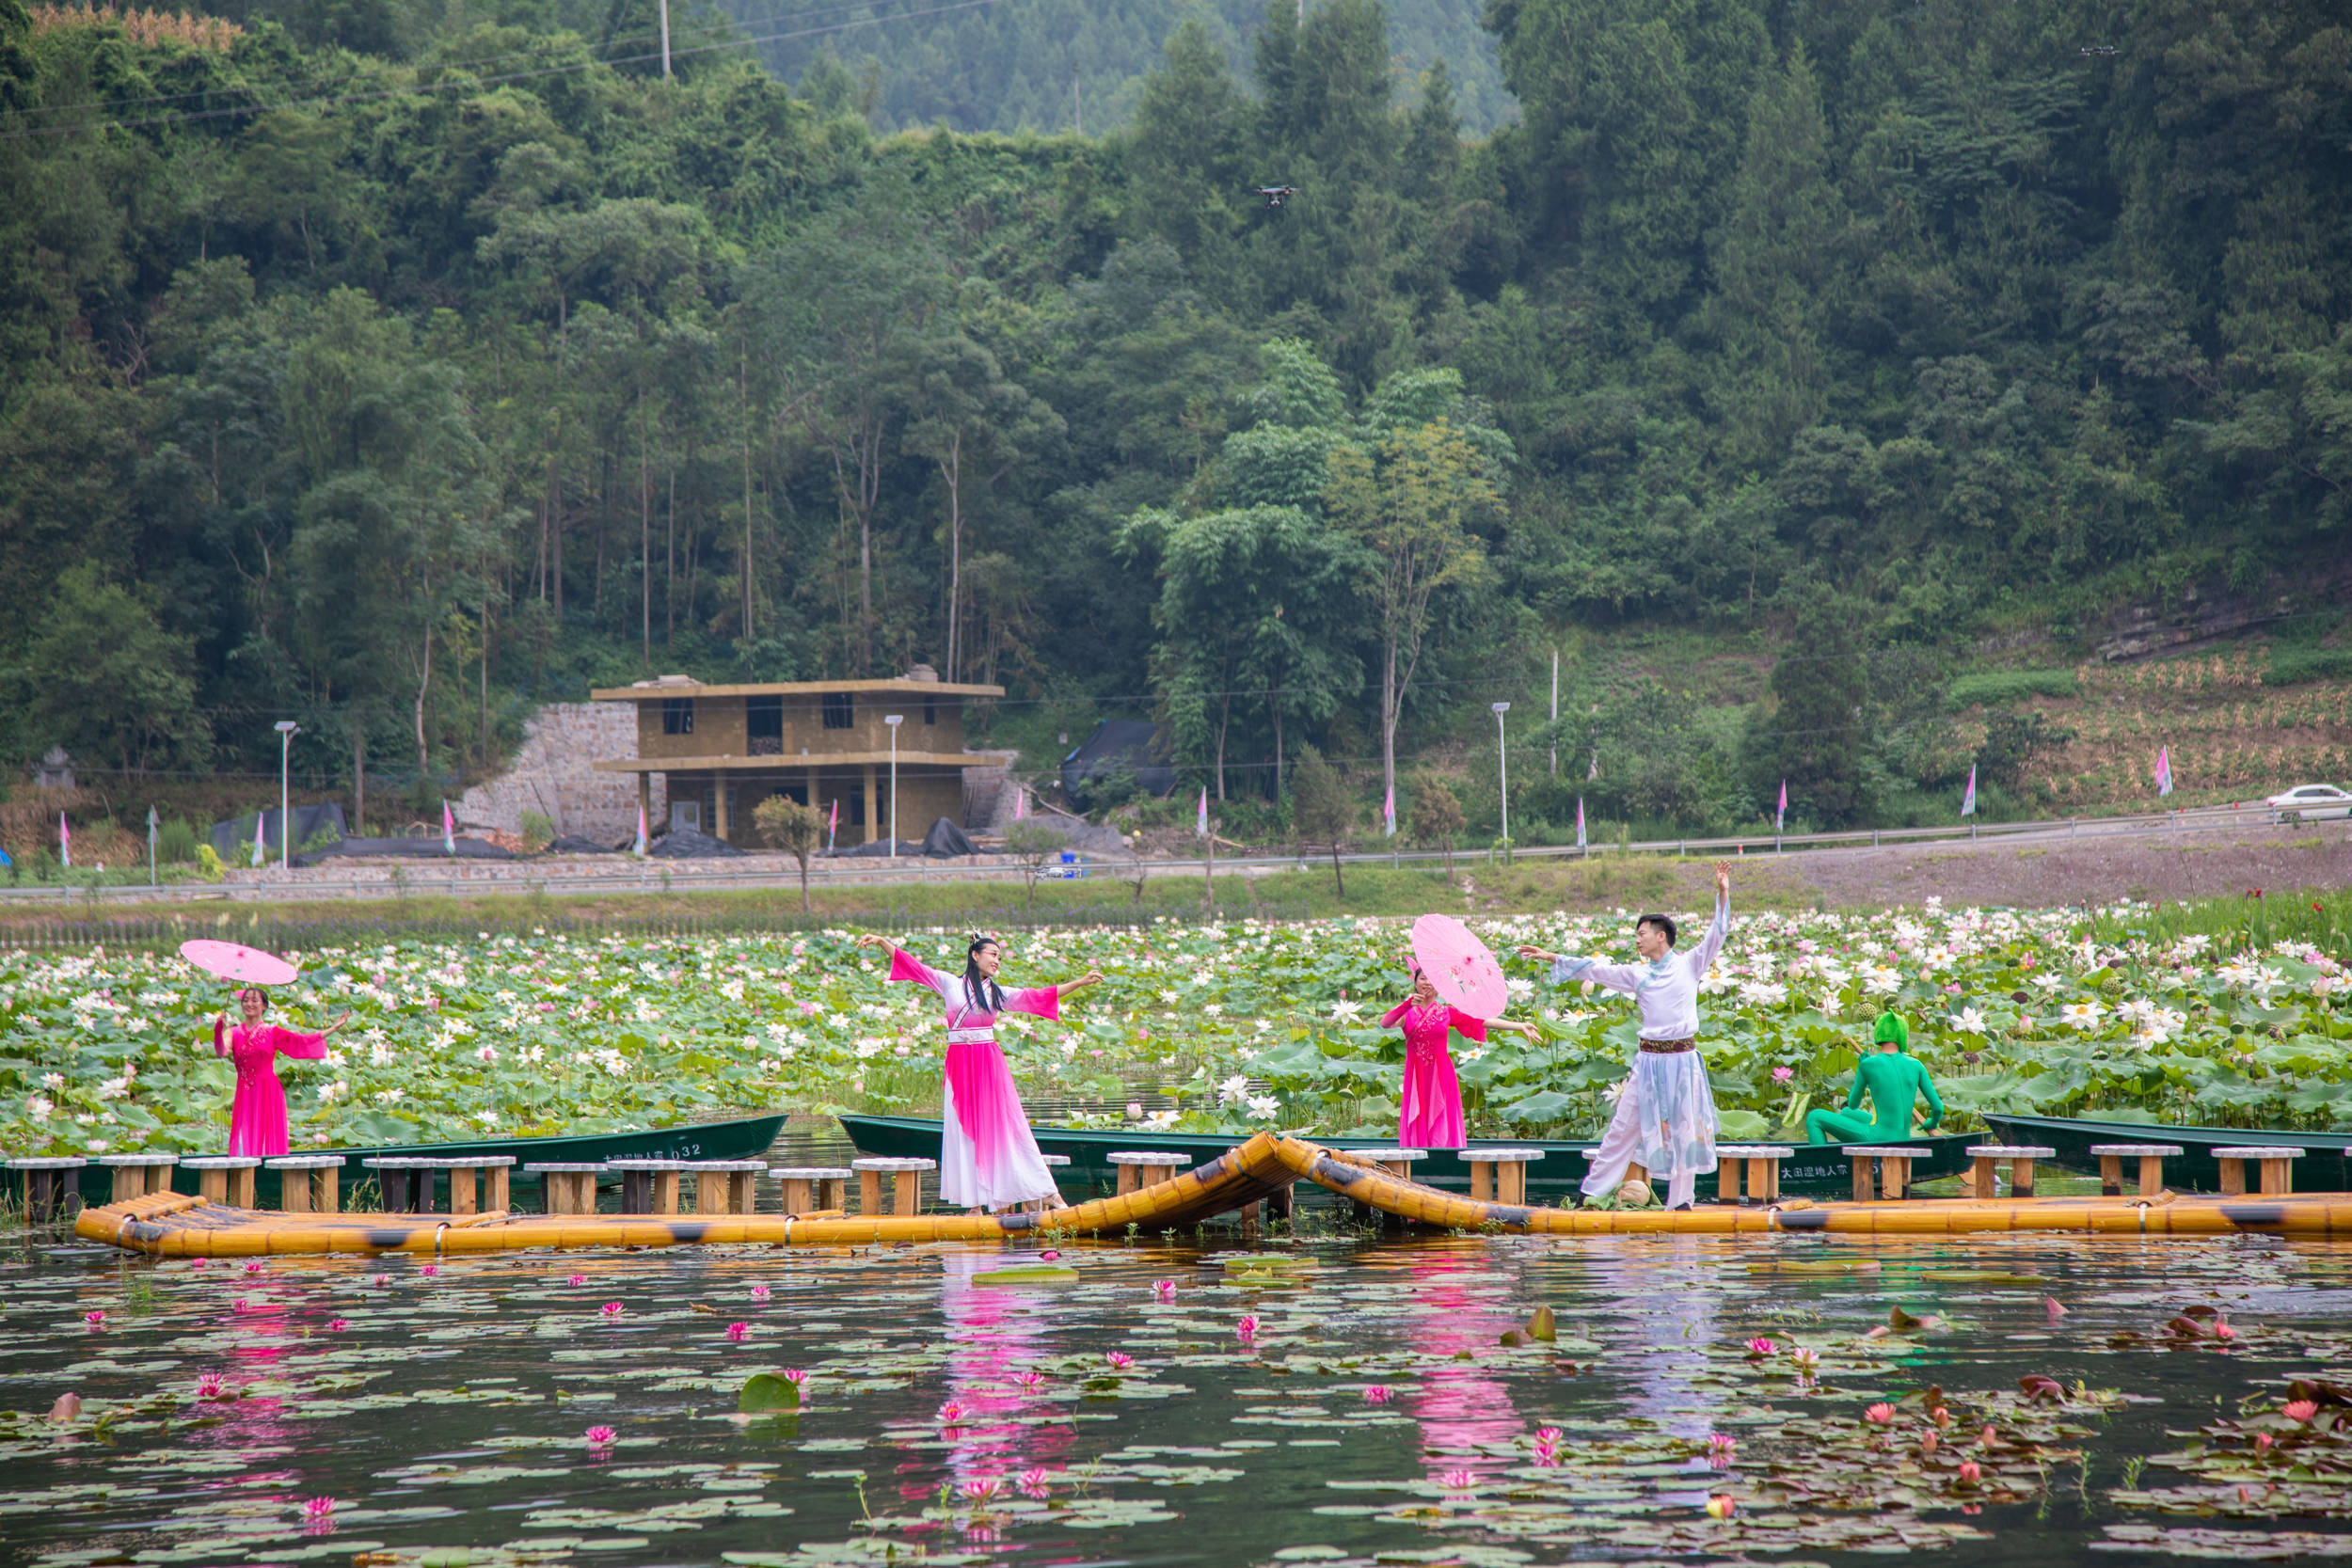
{"x":1670,"y":1048}
{"x":971,"y":1037}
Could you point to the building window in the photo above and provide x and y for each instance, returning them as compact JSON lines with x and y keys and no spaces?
{"x":930,"y":711}
{"x":839,"y":711}
{"x":763,"y":723}
{"x":678,"y":716}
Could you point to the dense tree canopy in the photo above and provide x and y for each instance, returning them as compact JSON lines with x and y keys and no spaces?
{"x":403,"y":366}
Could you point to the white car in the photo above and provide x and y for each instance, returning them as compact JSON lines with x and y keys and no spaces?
{"x":2306,"y":803}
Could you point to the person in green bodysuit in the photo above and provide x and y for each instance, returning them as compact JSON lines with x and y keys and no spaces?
{"x":1892,"y":1077}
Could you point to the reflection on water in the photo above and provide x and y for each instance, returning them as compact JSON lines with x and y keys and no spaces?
{"x":560,"y":1408}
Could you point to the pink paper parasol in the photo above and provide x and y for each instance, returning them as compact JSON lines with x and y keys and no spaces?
{"x":232,"y":961}
{"x":1465,"y":975}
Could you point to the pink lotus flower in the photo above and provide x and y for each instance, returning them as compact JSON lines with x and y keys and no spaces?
{"x":2223,"y":1331}
{"x":1378,"y":1394}
{"x":1970,"y":1472}
{"x":430,"y":1270}
{"x":336,"y":1326}
{"x":736,"y":1331}
{"x":1029,"y":1378}
{"x":979,"y":1488}
{"x":1120,"y":1360}
{"x":602,"y":1437}
{"x":253,"y":1268}
{"x":95,"y":1318}
{"x":1247,"y":1329}
{"x":2261,"y":1442}
{"x":951,"y":1413}
{"x":318,"y":1515}
{"x":611,"y":1309}
{"x":2300,"y":1410}
{"x":1164,"y":1288}
{"x":760,"y":1292}
{"x":1782,"y":1074}
{"x":1808,"y":1360}
{"x":1720,"y":1507}
{"x":1134,"y":1110}
{"x":796,"y":1377}
{"x":576,"y":1279}
{"x":1460,"y":1480}
{"x":1762,"y":1347}
{"x":1033,"y":1482}
{"x":1720,"y":1447}
{"x":198,"y":1263}
{"x":210,"y":1387}
{"x":547,"y":1007}
{"x":1882,"y":1412}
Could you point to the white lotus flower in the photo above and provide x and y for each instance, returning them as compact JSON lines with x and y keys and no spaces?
{"x":1233,"y":1090}
{"x":2084,"y":1016}
{"x":1969,"y":1021}
{"x":1264,"y":1108}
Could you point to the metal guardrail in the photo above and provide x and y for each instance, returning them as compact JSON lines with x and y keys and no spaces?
{"x":674,"y":877}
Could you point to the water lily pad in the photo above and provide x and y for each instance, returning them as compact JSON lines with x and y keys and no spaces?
{"x":765,"y":1393}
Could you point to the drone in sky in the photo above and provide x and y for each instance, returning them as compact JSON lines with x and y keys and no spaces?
{"x":1276,"y":195}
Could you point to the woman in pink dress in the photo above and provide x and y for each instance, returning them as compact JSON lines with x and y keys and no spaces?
{"x":257,"y":1119}
{"x":1430,"y":1113}
{"x":987,"y":1157}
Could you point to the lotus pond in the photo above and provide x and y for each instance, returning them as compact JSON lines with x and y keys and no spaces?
{"x":1229,"y":1027}
{"x":2038,"y":1399}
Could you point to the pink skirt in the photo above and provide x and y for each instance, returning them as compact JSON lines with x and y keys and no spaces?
{"x":987,"y":1157}
{"x":1431,"y":1110}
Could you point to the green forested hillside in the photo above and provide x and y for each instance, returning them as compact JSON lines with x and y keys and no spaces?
{"x":1012,"y":65}
{"x":395,"y":368}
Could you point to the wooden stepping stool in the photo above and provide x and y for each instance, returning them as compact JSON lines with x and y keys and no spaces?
{"x":2151,"y":1158}
{"x":1499,"y":1174}
{"x":48,"y":1179}
{"x":648,"y":1186}
{"x":1893,"y":1163}
{"x":1982,"y":1157}
{"x":2278,"y":1172}
{"x":567,"y":1188}
{"x":1396,"y":1162}
{"x":906,"y":1184}
{"x":492,"y":1171}
{"x":1763,"y":1166}
{"x":137,"y":1175}
{"x":725,"y":1186}
{"x":309,"y":1183}
{"x":224,"y":1178}
{"x":814,"y":1189}
{"x":1139,"y":1168}
{"x":405,"y":1180}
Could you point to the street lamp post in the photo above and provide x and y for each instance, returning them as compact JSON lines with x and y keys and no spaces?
{"x":1502,"y":773}
{"x":152,"y":822}
{"x":287,"y":730}
{"x":893,"y":721}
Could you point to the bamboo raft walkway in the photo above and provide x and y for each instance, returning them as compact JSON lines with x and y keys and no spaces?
{"x":167,"y":1225}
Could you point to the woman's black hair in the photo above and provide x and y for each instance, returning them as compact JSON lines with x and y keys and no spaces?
{"x":980,"y":992}
{"x":1664,"y":922}
{"x":259,"y":991}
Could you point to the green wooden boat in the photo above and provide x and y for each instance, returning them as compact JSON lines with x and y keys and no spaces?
{"x":2325,"y":1165}
{"x":1816,"y":1171}
{"x":744,"y":1138}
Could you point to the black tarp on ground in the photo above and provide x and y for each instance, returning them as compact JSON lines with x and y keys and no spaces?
{"x":1118,"y":745}
{"x":946,"y":838}
{"x":232,"y":841}
{"x":405,"y":848}
{"x":572,"y":844}
{"x":944,"y":841}
{"x":686,"y":843}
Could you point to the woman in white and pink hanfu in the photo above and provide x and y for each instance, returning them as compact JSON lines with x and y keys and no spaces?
{"x":987,"y":1157}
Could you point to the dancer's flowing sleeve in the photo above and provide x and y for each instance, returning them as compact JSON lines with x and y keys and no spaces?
{"x":1703,"y":956}
{"x":1625,"y":977}
{"x":221,"y":1039}
{"x":1388,"y":1020}
{"x":1041,"y":1000}
{"x":302,"y":1047}
{"x":906,"y":966}
{"x":1469,"y":1028}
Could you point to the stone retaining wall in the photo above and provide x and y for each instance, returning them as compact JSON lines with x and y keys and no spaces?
{"x":552,"y":776}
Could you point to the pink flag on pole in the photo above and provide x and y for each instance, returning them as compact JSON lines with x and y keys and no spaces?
{"x":1200,"y":824}
{"x":2164,"y":770}
{"x":834,"y":825}
{"x":1780,"y":819}
{"x":1968,"y":801}
{"x":449,"y":828}
{"x":1388,"y":812}
{"x":1580,"y":821}
{"x":642,"y":844}
{"x":1020,"y":803}
{"x":65,"y":841}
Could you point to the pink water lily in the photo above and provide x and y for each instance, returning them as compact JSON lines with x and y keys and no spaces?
{"x":611,"y":1309}
{"x":256,"y":1268}
{"x":1762,"y":1347}
{"x":1028,"y":1379}
{"x":1378,"y":1394}
{"x":336,"y":1326}
{"x":796,"y":1377}
{"x":576,"y":1279}
{"x":2300,"y":1410}
{"x":979,"y":1488}
{"x":96,"y":1318}
{"x":1721,"y":1507}
{"x":736,"y":1331}
{"x":430,"y":1270}
{"x":1460,"y":1480}
{"x":1881,"y":1413}
{"x":1247,"y":1329}
{"x":1970,"y":1472}
{"x":602,"y":1437}
{"x":318,"y":1515}
{"x":2261,"y":1442}
{"x":1164,"y":1288}
{"x":1720,"y":1447}
{"x":1807,"y":1359}
{"x":1120,"y":1360}
{"x":760,"y":1292}
{"x":210,"y":1387}
{"x":950,"y":1414}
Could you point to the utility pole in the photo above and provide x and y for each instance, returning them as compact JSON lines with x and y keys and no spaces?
{"x":665,"y":40}
{"x":1503,"y":770}
{"x":1555,"y":713}
{"x":1078,"y":108}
